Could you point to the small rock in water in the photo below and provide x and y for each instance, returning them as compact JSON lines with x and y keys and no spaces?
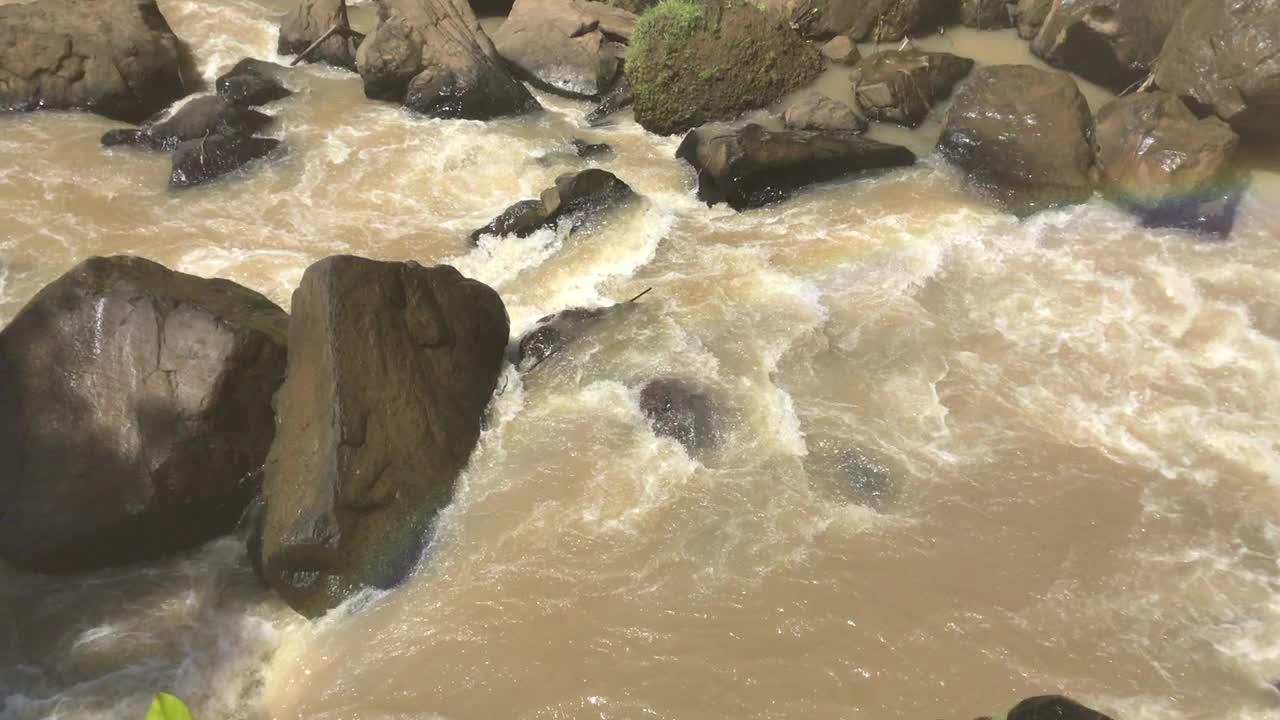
{"x":902,"y":86}
{"x":679,"y":411}
{"x":815,"y":111}
{"x":199,"y":161}
{"x":253,"y":82}
{"x":985,"y":14}
{"x":554,"y":332}
{"x":841,"y":50}
{"x":619,"y":98}
{"x":580,"y":197}
{"x":201,"y":117}
{"x":584,"y":149}
{"x":1053,"y":707}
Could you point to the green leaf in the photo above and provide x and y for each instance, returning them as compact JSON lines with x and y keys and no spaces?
{"x":168,"y":707}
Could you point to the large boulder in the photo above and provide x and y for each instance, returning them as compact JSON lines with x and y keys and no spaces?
{"x":117,"y":58}
{"x":571,"y":47}
{"x":872,"y":20}
{"x":196,"y":162}
{"x":1223,"y":57}
{"x":135,"y":413}
{"x":1172,"y":169}
{"x":432,"y":56}
{"x":815,"y":111}
{"x":689,"y":64}
{"x":391,"y":366}
{"x":985,"y":14}
{"x":201,"y":117}
{"x":311,"y":20}
{"x":754,"y":166}
{"x":679,"y":411}
{"x":1111,"y":42}
{"x":902,"y":86}
{"x":1030,"y":15}
{"x":578,"y":197}
{"x":253,"y":82}
{"x":1023,"y":136}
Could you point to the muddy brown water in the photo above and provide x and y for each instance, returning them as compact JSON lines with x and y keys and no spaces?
{"x":963,"y":459}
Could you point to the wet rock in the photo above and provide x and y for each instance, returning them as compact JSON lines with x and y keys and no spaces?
{"x":1223,"y":57}
{"x":873,"y":20}
{"x":199,"y":161}
{"x":985,"y":14}
{"x":135,"y":413}
{"x":197,"y":119}
{"x":815,"y":111}
{"x":391,"y":366}
{"x":689,"y":67}
{"x":554,"y":332}
{"x":570,"y":47}
{"x":253,"y":82}
{"x":308,"y":21}
{"x":432,"y":56}
{"x":679,"y":411}
{"x":580,"y":197}
{"x":584,"y":149}
{"x":754,"y":166}
{"x":1053,"y":707}
{"x":118,"y":58}
{"x":853,"y":474}
{"x":1022,"y":136}
{"x":619,"y":98}
{"x":1172,"y":169}
{"x":841,"y":50}
{"x":1111,"y":42}
{"x":902,"y":86}
{"x":1030,"y":16}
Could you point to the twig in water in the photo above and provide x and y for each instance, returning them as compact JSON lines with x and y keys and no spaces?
{"x":646,"y":292}
{"x":314,"y":45}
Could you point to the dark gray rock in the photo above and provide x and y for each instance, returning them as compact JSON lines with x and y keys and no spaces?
{"x":1030,"y":16}
{"x":391,"y":366}
{"x":619,"y":98}
{"x":135,"y":413}
{"x":1111,"y":42}
{"x":986,"y":14}
{"x":679,"y":411}
{"x":199,"y":161}
{"x":570,"y":47}
{"x":754,"y":166}
{"x":555,"y":332}
{"x":308,"y":22}
{"x":253,"y":82}
{"x":902,"y":86}
{"x":584,"y":149}
{"x":872,"y":20}
{"x":579,"y":197}
{"x":197,"y":119}
{"x":1053,"y":707}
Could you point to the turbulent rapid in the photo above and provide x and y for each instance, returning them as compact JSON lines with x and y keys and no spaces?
{"x":962,"y":458}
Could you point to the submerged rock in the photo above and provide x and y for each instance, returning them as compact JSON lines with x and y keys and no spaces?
{"x":199,"y":161}
{"x":619,"y":98}
{"x":850,"y":473}
{"x":902,"y":86}
{"x":308,"y":22}
{"x":754,"y":166}
{"x":580,"y":197}
{"x":200,"y":118}
{"x":117,"y":58}
{"x":841,"y":50}
{"x":1053,"y":707}
{"x":691,"y":64}
{"x":679,"y":411}
{"x":1172,"y":169}
{"x":815,"y":111}
{"x":1223,"y":57}
{"x":391,"y":366}
{"x":554,"y":332}
{"x":135,"y":413}
{"x":1111,"y":42}
{"x":1022,"y":136}
{"x":433,"y":57}
{"x":872,"y":20}
{"x":570,"y":47}
{"x":985,"y":14}
{"x":253,"y":82}
{"x":584,"y":149}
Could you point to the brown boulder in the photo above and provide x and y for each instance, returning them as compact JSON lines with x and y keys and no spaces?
{"x":902,"y":86}
{"x":754,"y":166}
{"x":1172,"y":169}
{"x":117,"y":58}
{"x":1223,"y":57}
{"x":1111,"y":42}
{"x":135,"y":413}
{"x":391,"y":366}
{"x":841,"y":50}
{"x":873,"y":20}
{"x":1023,"y":136}
{"x":815,"y":111}
{"x":985,"y":14}
{"x":309,"y":21}
{"x":1030,"y":15}
{"x":433,"y":57}
{"x":571,"y":47}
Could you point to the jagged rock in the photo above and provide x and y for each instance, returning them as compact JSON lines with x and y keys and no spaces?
{"x":754,"y":166}
{"x":253,"y":82}
{"x":554,"y":332}
{"x":985,"y":14}
{"x":1111,"y":42}
{"x":873,"y":20}
{"x":199,"y":161}
{"x":580,"y":197}
{"x":618,"y":98}
{"x":901,"y":86}
{"x":679,"y":411}
{"x":570,"y":47}
{"x":201,"y":117}
{"x":390,"y":368}
{"x":1022,"y":136}
{"x":841,"y":50}
{"x":432,"y":56}
{"x":815,"y":111}
{"x":135,"y":413}
{"x":1172,"y":169}
{"x":117,"y":58}
{"x":1223,"y":57}
{"x":1030,"y":15}
{"x":311,"y":19}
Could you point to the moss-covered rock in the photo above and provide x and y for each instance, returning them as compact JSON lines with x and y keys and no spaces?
{"x":691,"y":62}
